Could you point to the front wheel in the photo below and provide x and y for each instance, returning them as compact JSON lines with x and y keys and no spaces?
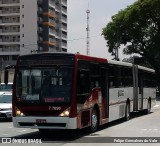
{"x":94,"y":121}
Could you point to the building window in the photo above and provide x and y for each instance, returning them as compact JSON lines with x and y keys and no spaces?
{"x":14,"y":57}
{"x":22,"y":6}
{"x":6,"y":58}
{"x":22,"y":35}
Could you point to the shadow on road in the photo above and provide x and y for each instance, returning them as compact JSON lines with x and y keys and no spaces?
{"x":60,"y":136}
{"x":55,"y":136}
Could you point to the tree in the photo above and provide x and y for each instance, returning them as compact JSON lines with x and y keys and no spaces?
{"x":137,"y":27}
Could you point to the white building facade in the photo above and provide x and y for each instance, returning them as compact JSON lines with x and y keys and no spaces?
{"x":28,"y":26}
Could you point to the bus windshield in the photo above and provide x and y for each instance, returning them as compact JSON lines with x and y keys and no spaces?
{"x":45,"y":85}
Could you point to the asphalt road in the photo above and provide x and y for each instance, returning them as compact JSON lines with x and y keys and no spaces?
{"x":140,"y":125}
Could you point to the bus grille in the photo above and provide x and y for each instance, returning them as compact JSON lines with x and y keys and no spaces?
{"x":43,"y":124}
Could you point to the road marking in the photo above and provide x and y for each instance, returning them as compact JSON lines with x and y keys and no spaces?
{"x":150,"y":130}
{"x":10,"y":127}
{"x":156,"y":105}
{"x":144,"y":129}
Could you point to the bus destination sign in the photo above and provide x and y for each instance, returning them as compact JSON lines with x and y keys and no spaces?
{"x":30,"y":63}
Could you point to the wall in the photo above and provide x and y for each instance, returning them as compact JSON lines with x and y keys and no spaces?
{"x":28,"y":10}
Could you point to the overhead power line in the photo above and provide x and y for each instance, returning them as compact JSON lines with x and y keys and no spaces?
{"x":76,"y":39}
{"x":83,"y":38}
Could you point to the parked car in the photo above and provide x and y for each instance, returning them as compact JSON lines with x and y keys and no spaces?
{"x":6,"y":105}
{"x":4,"y":87}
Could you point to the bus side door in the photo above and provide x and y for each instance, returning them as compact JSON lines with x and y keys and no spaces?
{"x":105,"y":91}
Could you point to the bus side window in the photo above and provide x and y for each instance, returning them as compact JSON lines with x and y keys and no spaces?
{"x":94,"y":75}
{"x":83,"y":81}
{"x":46,"y":83}
{"x":19,"y":84}
{"x":112,"y":77}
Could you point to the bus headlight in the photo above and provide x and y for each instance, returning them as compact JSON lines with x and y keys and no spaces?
{"x":65,"y":113}
{"x":18,"y":112}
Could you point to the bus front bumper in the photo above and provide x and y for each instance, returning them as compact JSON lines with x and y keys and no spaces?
{"x":45,"y":122}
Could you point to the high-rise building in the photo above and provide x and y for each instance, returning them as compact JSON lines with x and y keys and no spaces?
{"x":27,"y":26}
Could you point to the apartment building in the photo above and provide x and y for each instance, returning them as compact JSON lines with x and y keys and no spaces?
{"x":28,"y":26}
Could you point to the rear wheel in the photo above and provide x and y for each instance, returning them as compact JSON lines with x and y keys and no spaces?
{"x":127,"y":111}
{"x":94,"y":121}
{"x":149,"y":107}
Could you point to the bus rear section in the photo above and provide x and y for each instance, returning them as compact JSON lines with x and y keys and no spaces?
{"x":42,"y":92}
{"x":144,"y":88}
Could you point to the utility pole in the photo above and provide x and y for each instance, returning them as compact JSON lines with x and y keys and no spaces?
{"x":88,"y":32}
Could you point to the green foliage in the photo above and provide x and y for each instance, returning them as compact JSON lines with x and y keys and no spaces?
{"x":137,"y":27}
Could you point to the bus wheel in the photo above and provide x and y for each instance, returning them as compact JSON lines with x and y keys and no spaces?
{"x":94,"y":121}
{"x":149,"y":107}
{"x":127,"y":111}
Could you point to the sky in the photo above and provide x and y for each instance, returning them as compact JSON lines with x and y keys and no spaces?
{"x":101,"y":12}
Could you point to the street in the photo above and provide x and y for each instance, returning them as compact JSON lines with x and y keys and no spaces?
{"x":140,"y":125}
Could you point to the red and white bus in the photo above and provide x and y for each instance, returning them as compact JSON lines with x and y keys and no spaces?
{"x":73,"y":91}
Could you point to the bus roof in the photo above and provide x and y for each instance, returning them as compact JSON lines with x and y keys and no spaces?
{"x":89,"y":58}
{"x":120,"y":63}
{"x":48,"y":53}
{"x":146,"y":69}
{"x":78,"y":56}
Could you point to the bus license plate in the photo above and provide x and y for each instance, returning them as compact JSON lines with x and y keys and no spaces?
{"x":41,"y":121}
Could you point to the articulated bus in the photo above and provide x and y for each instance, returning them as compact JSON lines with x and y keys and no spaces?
{"x":74,"y":91}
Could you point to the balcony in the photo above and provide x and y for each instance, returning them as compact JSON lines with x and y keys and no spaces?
{"x":64,"y":2}
{"x":10,"y":51}
{"x":64,"y":19}
{"x":9,"y":41}
{"x":9,"y":11}
{"x":52,"y":4}
{"x":40,"y":20}
{"x":57,"y":8}
{"x":52,"y":21}
{"x":9,"y":21}
{"x":52,"y":12}
{"x":64,"y":10}
{"x":40,"y":10}
{"x":64,"y":45}
{"x":49,"y":24}
{"x":64,"y":27}
{"x":9,"y":31}
{"x":39,"y":2}
{"x":64,"y":36}
{"x":10,"y":14}
{"x":51,"y":32}
{"x":40,"y":30}
{"x":49,"y":43}
{"x":9,"y":1}
{"x":52,"y":40}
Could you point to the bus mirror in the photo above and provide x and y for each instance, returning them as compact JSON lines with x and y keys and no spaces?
{"x":6,"y":77}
